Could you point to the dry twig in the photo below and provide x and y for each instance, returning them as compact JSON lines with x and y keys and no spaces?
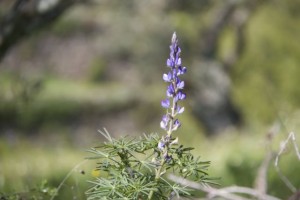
{"x":291,"y":137}
{"x":229,"y":193}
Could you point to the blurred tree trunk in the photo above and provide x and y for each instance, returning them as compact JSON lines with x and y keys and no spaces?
{"x":27,"y":16}
{"x":212,"y":102}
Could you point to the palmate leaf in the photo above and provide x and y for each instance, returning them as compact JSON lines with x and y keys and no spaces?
{"x":130,"y":170}
{"x":146,"y":164}
{"x":176,"y":189}
{"x":111,"y":189}
{"x":122,"y":187}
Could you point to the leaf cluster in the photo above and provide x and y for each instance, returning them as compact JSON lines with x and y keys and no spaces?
{"x":128,"y":167}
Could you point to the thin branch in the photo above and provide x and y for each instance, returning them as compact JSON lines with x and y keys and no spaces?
{"x":25,"y":17}
{"x":211,"y":37}
{"x":261,"y":183}
{"x":228,"y":193}
{"x":291,"y":137}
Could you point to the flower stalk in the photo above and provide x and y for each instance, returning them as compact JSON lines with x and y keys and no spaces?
{"x":174,"y":94}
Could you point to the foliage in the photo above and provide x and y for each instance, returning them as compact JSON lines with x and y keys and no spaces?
{"x":129,"y":164}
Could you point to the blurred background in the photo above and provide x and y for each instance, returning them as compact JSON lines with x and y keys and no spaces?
{"x":71,"y":67}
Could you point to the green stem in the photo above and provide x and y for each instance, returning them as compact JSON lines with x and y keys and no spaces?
{"x":169,"y":132}
{"x":157,"y":176}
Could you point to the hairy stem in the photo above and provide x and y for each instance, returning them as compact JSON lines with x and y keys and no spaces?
{"x":157,"y":176}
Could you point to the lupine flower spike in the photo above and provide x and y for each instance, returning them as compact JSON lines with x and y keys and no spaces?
{"x":174,"y":93}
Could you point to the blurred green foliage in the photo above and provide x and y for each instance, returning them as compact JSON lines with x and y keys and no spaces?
{"x":265,"y":79}
{"x":97,"y":71}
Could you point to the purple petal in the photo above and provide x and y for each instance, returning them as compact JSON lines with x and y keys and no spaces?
{"x":180,"y":96}
{"x":180,"y":110}
{"x":161,"y":145}
{"x":167,"y":77}
{"x":181,"y":70}
{"x":173,"y":50}
{"x":165,"y":103}
{"x":180,"y":85}
{"x":178,"y":61}
{"x":163,"y":125}
{"x":170,"y":90}
{"x":177,"y":124}
{"x":170,"y":63}
{"x":164,"y":122}
{"x":178,"y":51}
{"x":165,"y":118}
{"x":168,"y":158}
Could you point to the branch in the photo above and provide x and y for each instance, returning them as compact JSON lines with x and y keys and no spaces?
{"x":261,"y":184}
{"x":291,"y":137}
{"x":228,"y":193}
{"x":240,"y":19}
{"x":27,"y":16}
{"x":211,"y":38}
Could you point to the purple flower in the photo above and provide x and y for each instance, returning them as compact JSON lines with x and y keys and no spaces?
{"x":170,"y":90}
{"x":165,"y":118}
{"x":174,"y":89}
{"x":176,"y":125}
{"x":180,"y":96}
{"x":167,"y":77}
{"x":164,"y":122}
{"x":161,"y":145}
{"x":170,"y":63}
{"x":179,"y":84}
{"x":181,"y":70}
{"x":179,"y":109}
{"x":178,"y":62}
{"x":167,"y":157}
{"x":165,"y":103}
{"x":163,"y":125}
